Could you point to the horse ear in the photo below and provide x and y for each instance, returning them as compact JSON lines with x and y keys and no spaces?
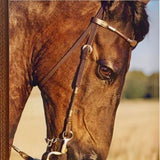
{"x":144,"y":1}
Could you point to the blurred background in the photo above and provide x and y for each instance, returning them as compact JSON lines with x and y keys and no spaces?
{"x":137,"y":121}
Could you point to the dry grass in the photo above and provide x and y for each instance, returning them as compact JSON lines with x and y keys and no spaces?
{"x":136,"y":131}
{"x":135,"y":134}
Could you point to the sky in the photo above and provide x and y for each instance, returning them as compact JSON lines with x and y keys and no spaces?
{"x":145,"y":56}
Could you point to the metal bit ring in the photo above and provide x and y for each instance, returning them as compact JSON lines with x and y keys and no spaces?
{"x":65,"y":137}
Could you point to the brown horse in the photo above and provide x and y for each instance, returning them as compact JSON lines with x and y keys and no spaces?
{"x":40,"y":34}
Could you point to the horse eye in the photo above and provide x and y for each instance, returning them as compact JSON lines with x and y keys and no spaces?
{"x":105,"y":73}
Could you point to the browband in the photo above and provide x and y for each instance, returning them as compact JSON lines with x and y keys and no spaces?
{"x":105,"y":25}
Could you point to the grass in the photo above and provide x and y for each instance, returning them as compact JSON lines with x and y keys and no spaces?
{"x":136,"y":131}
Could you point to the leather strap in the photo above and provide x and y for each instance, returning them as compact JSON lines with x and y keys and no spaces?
{"x":105,"y":25}
{"x":86,"y":50}
{"x":65,"y":57}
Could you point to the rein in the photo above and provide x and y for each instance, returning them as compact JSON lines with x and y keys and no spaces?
{"x":86,"y":50}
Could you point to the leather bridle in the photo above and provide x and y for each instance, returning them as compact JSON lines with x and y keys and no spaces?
{"x":86,"y":50}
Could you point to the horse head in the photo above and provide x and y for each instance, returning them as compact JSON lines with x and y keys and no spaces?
{"x":81,"y":92}
{"x":98,"y":96}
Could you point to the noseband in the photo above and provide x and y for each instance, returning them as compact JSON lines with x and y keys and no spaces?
{"x":85,"y":52}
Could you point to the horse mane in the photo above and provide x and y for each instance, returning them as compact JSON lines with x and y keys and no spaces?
{"x":133,"y":11}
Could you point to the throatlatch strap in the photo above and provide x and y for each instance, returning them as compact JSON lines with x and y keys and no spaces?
{"x":66,"y":56}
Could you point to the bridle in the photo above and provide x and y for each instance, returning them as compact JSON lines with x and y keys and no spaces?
{"x":86,"y":50}
{"x":91,"y":30}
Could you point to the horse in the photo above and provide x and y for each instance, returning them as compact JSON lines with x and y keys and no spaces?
{"x":78,"y":54}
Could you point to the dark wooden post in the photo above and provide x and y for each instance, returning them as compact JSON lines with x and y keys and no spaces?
{"x":4,"y":80}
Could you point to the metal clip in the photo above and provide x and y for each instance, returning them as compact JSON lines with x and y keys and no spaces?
{"x":89,"y":46}
{"x":53,"y":153}
{"x":64,"y":146}
{"x":66,"y":140}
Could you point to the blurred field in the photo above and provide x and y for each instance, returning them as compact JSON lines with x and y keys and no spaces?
{"x":135,"y":134}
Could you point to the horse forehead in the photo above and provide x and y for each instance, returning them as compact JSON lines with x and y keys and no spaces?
{"x":111,"y":49}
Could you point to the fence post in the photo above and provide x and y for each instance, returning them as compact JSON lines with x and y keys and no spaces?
{"x":4,"y":80}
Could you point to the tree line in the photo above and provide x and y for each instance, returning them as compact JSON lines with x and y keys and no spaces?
{"x":139,"y":85}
